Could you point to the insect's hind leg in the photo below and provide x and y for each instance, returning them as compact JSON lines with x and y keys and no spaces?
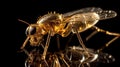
{"x":92,"y":34}
{"x":101,"y":30}
{"x":108,"y":43}
{"x":106,"y":32}
{"x":97,"y":29}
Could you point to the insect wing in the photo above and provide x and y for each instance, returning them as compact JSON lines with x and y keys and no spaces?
{"x":83,"y":10}
{"x":106,"y":14}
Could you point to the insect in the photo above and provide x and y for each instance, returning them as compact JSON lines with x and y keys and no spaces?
{"x":63,"y":24}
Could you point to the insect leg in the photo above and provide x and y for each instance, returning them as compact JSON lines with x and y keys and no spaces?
{"x":47,"y":45}
{"x":42,"y":46}
{"x":82,"y":44}
{"x":30,"y":56}
{"x":25,"y":42}
{"x":61,"y":54}
{"x":43,"y":63}
{"x":80,"y":40}
{"x":26,"y":52}
{"x":100,"y":30}
{"x":88,"y":65}
{"x":92,"y":34}
{"x":117,"y":35}
{"x":108,"y":43}
{"x":62,"y":57}
{"x":82,"y":65}
{"x":85,"y":65}
{"x":56,"y":62}
{"x":106,"y":32}
{"x":58,"y":42}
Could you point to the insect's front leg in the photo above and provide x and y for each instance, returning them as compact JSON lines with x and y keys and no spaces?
{"x":46,"y":45}
{"x":25,"y":42}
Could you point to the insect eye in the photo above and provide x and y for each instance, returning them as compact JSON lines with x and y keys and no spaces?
{"x":31,"y":30}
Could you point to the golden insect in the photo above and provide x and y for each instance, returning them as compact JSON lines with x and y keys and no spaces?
{"x":63,"y":24}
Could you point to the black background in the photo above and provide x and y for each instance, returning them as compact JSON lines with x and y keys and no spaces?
{"x":30,"y":10}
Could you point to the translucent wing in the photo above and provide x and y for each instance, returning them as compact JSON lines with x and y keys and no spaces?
{"x":106,"y":14}
{"x":83,"y":10}
{"x":103,"y":14}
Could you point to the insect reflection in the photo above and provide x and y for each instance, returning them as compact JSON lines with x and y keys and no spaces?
{"x":52,"y":60}
{"x":73,"y":22}
{"x":74,"y":56}
{"x":79,"y":58}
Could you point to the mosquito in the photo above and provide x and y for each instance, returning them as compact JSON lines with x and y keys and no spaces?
{"x":63,"y":24}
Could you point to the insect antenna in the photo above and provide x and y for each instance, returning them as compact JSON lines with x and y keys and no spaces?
{"x":23,"y":21}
